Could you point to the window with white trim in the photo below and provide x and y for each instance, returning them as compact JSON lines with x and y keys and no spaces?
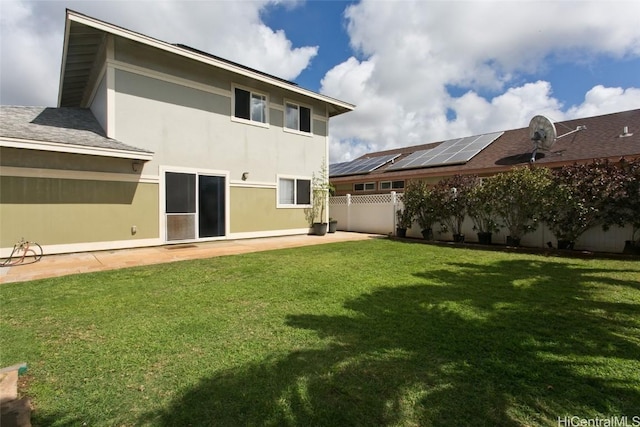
{"x":297,"y":117}
{"x":364,"y":186}
{"x":250,"y":106}
{"x":391,"y":185}
{"x":294,"y":192}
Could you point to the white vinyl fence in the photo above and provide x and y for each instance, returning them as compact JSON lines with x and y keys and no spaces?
{"x":376,"y":213}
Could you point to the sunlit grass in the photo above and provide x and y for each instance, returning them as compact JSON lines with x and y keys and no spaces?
{"x":359,"y":333}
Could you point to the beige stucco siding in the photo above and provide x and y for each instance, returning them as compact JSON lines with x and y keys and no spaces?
{"x":193,"y":128}
{"x":181,"y":110}
{"x":53,"y":211}
{"x":48,"y":162}
{"x":254,"y":210}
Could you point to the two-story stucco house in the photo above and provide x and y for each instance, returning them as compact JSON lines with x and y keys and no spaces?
{"x":155,"y":143}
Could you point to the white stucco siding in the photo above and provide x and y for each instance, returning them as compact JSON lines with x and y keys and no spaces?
{"x":99,"y":103}
{"x":192,"y":127}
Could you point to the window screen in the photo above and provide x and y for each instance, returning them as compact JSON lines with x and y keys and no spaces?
{"x":303,"y":192}
{"x":243,"y":110}
{"x":305,"y":119}
{"x":180,"y":193}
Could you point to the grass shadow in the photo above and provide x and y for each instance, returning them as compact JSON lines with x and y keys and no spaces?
{"x":517,"y":342}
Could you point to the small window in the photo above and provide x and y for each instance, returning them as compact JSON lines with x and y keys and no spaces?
{"x":294,"y":192}
{"x":388,"y":185}
{"x":250,"y":106}
{"x":297,"y":117}
{"x":366,"y":186}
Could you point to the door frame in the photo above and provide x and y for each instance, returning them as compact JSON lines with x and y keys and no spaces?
{"x":163,"y":195}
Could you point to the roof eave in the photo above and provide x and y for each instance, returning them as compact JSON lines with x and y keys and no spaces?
{"x":75,"y":149}
{"x":63,"y":62}
{"x":340,"y":107}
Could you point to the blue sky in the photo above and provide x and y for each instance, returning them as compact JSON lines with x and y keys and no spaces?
{"x":317,"y":23}
{"x":418,"y":70}
{"x":572,"y":81}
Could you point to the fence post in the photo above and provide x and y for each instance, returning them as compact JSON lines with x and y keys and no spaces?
{"x":348,"y":212}
{"x":394,"y":208}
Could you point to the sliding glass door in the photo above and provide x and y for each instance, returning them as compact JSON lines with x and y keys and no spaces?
{"x":210,"y":205}
{"x":194,"y":206}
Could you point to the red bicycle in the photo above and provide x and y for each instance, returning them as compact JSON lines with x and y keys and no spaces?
{"x":24,"y":252}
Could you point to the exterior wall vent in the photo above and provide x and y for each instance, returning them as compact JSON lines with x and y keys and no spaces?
{"x":625,"y":132}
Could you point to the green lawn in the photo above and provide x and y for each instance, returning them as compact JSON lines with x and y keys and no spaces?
{"x":376,"y":332}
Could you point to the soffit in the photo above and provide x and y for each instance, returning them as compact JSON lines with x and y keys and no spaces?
{"x":82,"y":48}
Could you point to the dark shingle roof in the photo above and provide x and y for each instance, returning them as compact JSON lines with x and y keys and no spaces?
{"x":601,"y":139}
{"x":70,"y":126}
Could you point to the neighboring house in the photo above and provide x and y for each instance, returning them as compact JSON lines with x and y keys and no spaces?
{"x":609,"y":136}
{"x":155,"y":143}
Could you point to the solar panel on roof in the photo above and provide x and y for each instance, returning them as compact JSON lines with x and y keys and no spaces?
{"x":450,"y":152}
{"x":359,"y":166}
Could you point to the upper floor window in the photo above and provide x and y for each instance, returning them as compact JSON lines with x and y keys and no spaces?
{"x":250,"y":106}
{"x":297,"y":117}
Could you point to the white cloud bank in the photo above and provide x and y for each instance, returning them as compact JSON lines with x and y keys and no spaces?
{"x":415,"y":50}
{"x":412,"y":53}
{"x":31,"y":36}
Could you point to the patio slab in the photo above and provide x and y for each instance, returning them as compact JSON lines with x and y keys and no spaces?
{"x":85,"y":262}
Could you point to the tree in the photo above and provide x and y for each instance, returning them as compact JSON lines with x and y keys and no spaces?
{"x":625,"y":206}
{"x":418,"y":201}
{"x":481,"y":207}
{"x":320,"y":190}
{"x":518,"y":196}
{"x":450,"y":202}
{"x":580,"y":198}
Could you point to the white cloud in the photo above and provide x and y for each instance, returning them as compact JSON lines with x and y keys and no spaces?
{"x":31,"y":52}
{"x":604,"y":100}
{"x":415,"y":51}
{"x":512,"y":109}
{"x":422,"y":71}
{"x":32,"y":38}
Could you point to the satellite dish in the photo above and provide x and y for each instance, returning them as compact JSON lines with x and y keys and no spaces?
{"x":543,"y":134}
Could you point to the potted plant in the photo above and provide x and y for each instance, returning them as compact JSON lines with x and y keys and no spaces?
{"x":450,"y":203}
{"x":404,"y":220}
{"x":333,"y":225}
{"x":418,"y":198}
{"x":518,"y":197}
{"x":320,"y":188}
{"x":481,"y":210}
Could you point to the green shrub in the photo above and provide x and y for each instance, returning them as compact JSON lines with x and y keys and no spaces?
{"x":518,"y":197}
